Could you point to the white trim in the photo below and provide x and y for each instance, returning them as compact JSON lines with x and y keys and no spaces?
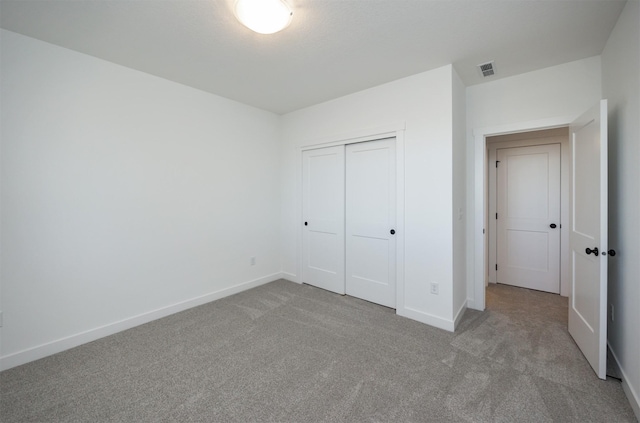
{"x":429,"y":319}
{"x":376,"y":133}
{"x":298,"y":211}
{"x":290,"y":277}
{"x":629,"y":391}
{"x":492,"y":147}
{"x":480,"y":163}
{"x":59,"y":345}
{"x":471,"y":303}
{"x":400,"y":219}
{"x":532,"y":125}
{"x":396,"y":131}
{"x":459,"y":314}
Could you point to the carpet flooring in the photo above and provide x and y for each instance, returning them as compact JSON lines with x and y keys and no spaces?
{"x":293,"y":353}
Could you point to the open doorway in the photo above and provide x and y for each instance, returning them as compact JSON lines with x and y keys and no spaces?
{"x":479,"y":222}
{"x":587,"y":235}
{"x":526,"y":203}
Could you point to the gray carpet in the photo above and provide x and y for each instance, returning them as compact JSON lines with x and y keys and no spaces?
{"x":294,"y":353}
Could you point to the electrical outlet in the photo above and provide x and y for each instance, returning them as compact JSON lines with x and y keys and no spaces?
{"x":435,"y":289}
{"x":253,"y":261}
{"x":612,"y":312}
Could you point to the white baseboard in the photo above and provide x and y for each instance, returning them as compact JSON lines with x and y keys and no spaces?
{"x":459,"y":315}
{"x":471,"y":303}
{"x":290,"y":277}
{"x":59,"y":345}
{"x":429,"y":319}
{"x":629,"y":391}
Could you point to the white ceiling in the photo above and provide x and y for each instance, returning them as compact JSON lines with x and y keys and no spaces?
{"x":332,"y":48}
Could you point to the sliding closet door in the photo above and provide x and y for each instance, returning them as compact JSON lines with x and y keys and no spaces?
{"x":323,"y":216}
{"x":370,"y":221}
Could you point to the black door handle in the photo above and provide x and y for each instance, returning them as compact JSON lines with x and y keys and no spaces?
{"x":595,"y":251}
{"x":612,"y":253}
{"x":392,"y":231}
{"x":552,"y":226}
{"x":305,"y":223}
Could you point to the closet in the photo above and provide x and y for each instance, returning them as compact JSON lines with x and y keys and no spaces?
{"x":349,"y":216}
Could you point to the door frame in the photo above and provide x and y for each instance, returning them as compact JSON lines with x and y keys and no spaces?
{"x":372,"y":134}
{"x":478,"y":220}
{"x":565,"y":163}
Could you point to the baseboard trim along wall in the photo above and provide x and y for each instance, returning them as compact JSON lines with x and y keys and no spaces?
{"x":629,"y":391}
{"x":290,"y":277}
{"x":471,"y":303}
{"x":427,"y":318}
{"x":59,"y":345}
{"x":411,"y":313}
{"x":459,"y":315}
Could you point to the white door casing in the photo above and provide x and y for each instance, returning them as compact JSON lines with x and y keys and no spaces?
{"x":478,"y":219}
{"x":588,"y":235}
{"x":370,"y":221}
{"x":323,"y":215}
{"x":528,"y":217}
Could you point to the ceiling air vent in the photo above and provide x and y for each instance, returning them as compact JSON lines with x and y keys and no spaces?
{"x":487,"y":69}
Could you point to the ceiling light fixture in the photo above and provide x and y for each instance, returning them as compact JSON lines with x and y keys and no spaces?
{"x":263,"y":16}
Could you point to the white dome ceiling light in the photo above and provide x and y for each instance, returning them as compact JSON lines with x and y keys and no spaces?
{"x":263,"y":16}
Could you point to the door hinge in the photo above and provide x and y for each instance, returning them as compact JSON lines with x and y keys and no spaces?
{"x":497,"y":161}
{"x":483,"y":231}
{"x":496,"y":215}
{"x":496,"y":266}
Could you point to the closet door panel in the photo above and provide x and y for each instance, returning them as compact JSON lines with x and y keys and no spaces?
{"x":323,"y":218}
{"x":370,"y":221}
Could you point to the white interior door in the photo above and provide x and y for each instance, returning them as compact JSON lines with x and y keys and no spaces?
{"x":370,"y":221}
{"x":323,"y":215}
{"x":528,"y":217}
{"x":588,"y":236}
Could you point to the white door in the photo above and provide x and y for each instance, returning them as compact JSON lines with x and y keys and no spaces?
{"x":588,"y":235}
{"x":370,"y":221}
{"x":528,"y":217}
{"x":323,"y":218}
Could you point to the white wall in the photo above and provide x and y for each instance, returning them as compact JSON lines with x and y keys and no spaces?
{"x":555,"y":94}
{"x":563,"y":90}
{"x":459,"y":197}
{"x":620,"y":74}
{"x":124,"y":197}
{"x":423,"y":103}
